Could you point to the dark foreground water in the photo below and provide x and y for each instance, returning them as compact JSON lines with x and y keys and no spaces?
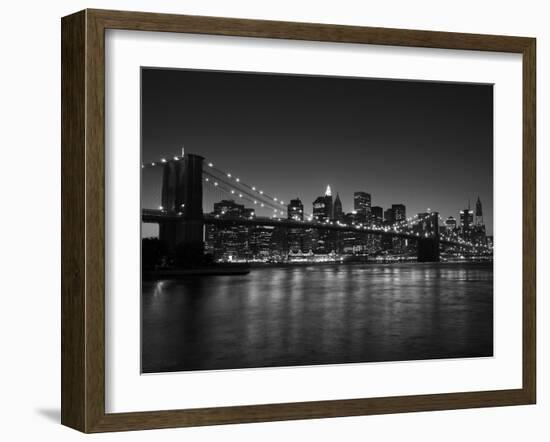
{"x":328,"y":314}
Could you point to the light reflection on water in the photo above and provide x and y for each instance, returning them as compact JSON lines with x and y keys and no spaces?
{"x":311,"y":315}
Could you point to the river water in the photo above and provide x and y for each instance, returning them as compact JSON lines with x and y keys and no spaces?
{"x":323,"y":314}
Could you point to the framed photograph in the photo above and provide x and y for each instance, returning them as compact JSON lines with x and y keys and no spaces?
{"x":268,"y":220}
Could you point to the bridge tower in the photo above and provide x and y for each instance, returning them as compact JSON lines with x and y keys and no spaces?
{"x":182,"y":196}
{"x":428,"y":247}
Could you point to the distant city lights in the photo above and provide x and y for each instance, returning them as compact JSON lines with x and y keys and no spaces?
{"x":417,"y":226}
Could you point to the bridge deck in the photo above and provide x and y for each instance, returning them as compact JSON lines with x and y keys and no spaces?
{"x":158,"y":216}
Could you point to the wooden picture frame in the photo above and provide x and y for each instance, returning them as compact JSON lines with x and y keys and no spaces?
{"x":83,"y":220}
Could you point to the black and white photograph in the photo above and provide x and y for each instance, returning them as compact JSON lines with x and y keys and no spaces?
{"x":303,"y":220}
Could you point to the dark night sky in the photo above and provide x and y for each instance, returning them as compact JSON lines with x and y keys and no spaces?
{"x":423,"y":144}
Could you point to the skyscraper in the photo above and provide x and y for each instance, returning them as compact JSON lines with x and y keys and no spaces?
{"x":322,"y":212}
{"x":295,"y":237}
{"x":389,"y":216}
{"x":466,"y":219}
{"x":478,"y":234}
{"x":295,"y":210}
{"x":322,"y":206}
{"x":377,"y":215}
{"x":479,"y":213}
{"x":450,"y":223}
{"x":328,"y":200}
{"x":361,"y":205}
{"x":229,"y":208}
{"x":399,"y":212}
{"x":230,"y":242}
{"x":395,"y":213}
{"x":350,"y":240}
{"x":260,"y":242}
{"x":338,"y":214}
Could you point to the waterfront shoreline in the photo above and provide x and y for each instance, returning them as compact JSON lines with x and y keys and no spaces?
{"x":358,"y":263}
{"x":245,"y":268}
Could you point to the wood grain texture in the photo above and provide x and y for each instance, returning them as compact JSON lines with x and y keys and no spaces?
{"x":73,"y":255}
{"x":144,"y":21}
{"x":95,"y":222}
{"x":83,"y":220}
{"x":529,"y":221}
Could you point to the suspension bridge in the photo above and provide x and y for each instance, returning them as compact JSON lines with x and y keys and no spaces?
{"x":181,"y":218}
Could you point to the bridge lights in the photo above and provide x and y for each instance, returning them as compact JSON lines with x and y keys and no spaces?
{"x":236,"y":179}
{"x":176,"y":158}
{"x":215,"y":183}
{"x":210,"y":165}
{"x":163,"y":160}
{"x":152,"y":164}
{"x":228,"y":175}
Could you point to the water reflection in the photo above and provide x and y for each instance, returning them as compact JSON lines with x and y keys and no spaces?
{"x":318,"y":315}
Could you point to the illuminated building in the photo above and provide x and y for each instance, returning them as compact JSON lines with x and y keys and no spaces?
{"x":389,"y":216}
{"x":466,"y":219}
{"x":479,"y":213}
{"x":450,"y":223}
{"x":322,"y":207}
{"x":295,"y":237}
{"x":399,"y":212}
{"x":322,"y":212}
{"x":295,"y":210}
{"x":377,"y":215}
{"x":260,"y":242}
{"x":338,"y":214}
{"x":229,"y":243}
{"x":362,"y":205}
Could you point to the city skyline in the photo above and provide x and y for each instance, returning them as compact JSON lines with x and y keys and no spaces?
{"x":458,"y":216}
{"x":305,"y":129}
{"x":234,"y":233}
{"x":352,"y":209}
{"x":232,"y":165}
